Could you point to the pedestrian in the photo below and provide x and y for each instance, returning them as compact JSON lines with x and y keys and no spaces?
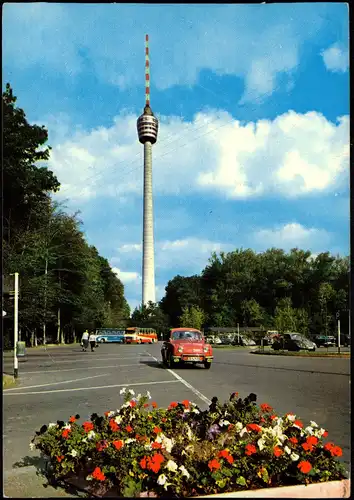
{"x":85,"y":340}
{"x":92,"y":340}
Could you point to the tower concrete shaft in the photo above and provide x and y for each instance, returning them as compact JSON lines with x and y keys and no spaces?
{"x":148,"y":229}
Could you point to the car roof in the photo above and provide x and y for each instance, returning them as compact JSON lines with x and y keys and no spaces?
{"x":185,"y":329}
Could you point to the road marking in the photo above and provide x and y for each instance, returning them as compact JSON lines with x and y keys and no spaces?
{"x":187,"y":384}
{"x":56,"y":383}
{"x":128,"y":384}
{"x":89,"y":359}
{"x":86,"y":368}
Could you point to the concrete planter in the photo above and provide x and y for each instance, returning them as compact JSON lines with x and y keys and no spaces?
{"x":330,"y":489}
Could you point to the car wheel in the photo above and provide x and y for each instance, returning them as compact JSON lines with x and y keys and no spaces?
{"x":207,"y":365}
{"x":102,"y":341}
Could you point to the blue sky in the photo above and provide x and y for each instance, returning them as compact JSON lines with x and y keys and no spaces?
{"x":253,"y":103}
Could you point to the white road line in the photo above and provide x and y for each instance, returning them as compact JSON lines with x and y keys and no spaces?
{"x":86,"y":368}
{"x":128,"y":384}
{"x":187,"y":384}
{"x":75,"y":361}
{"x":57,"y":383}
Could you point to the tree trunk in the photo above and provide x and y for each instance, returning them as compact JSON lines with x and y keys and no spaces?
{"x":58,"y":330}
{"x":35,"y":337}
{"x":32,"y":338}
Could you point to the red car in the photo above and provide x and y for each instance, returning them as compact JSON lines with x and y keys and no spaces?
{"x":186,"y":345}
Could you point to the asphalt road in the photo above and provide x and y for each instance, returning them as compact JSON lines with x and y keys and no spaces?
{"x":61,"y":381}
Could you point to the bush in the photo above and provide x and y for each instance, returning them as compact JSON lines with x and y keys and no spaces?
{"x":184,"y":451}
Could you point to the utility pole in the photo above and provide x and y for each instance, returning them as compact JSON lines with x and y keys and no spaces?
{"x":238,"y":333}
{"x":16,"y":326}
{"x":338,"y":325}
{"x":45,"y":300}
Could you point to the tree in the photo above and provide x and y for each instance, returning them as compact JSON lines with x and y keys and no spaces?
{"x":192,"y":317}
{"x":285,"y":316}
{"x":325,"y":294}
{"x":253,"y":315}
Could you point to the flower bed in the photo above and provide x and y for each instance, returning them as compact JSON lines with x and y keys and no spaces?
{"x":184,"y":451}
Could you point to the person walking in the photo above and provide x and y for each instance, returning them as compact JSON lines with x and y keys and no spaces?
{"x":92,"y":340}
{"x":85,"y":340}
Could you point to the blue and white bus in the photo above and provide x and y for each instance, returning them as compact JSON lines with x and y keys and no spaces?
{"x":104,"y":335}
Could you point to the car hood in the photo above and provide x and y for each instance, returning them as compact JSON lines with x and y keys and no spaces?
{"x":190,"y":346}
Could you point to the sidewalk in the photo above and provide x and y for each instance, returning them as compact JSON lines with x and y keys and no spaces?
{"x":27,"y":483}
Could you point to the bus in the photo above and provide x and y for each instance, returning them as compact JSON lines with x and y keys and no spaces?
{"x":109,"y":335}
{"x":136,"y":335}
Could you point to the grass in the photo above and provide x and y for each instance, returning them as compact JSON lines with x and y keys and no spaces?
{"x":8,"y":381}
{"x":305,"y":354}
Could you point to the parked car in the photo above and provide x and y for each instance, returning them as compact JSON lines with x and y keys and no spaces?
{"x":344,"y":340}
{"x":243,"y":341}
{"x":293,"y":341}
{"x":325,"y":340}
{"x":186,"y":345}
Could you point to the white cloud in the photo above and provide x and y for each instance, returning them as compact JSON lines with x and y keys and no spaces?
{"x":292,"y":235}
{"x":336,"y":58}
{"x":295,"y":154}
{"x":254,"y":42}
{"x":127,"y":277}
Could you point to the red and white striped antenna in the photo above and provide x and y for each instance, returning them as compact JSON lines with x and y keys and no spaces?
{"x":147,"y":72}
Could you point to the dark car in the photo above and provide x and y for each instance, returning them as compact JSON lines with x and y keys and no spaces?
{"x":325,"y":340}
{"x":344,"y":340}
{"x":293,"y":342}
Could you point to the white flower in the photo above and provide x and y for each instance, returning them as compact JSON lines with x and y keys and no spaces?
{"x":243,"y":431}
{"x":261,"y":444}
{"x":162,"y":479}
{"x":125,"y":405}
{"x":309,"y":430}
{"x":84,"y":440}
{"x":238,"y":426}
{"x":73,"y":453}
{"x":171,"y":466}
{"x":118,"y":419}
{"x":131,"y":392}
{"x":297,"y":426}
{"x":110,"y":413}
{"x":322,"y":431}
{"x":287,"y":450}
{"x":195,"y":410}
{"x":123,"y":391}
{"x":294,"y":457}
{"x":91,"y":434}
{"x":313,"y":424}
{"x":129,"y":440}
{"x":184,"y":471}
{"x":291,"y":417}
{"x":148,"y":394}
{"x":32,"y":446}
{"x":167,"y":443}
{"x":67,"y":426}
{"x":51,"y":425}
{"x":224,"y":422}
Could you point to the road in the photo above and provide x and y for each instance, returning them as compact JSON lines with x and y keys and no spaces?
{"x":61,"y":381}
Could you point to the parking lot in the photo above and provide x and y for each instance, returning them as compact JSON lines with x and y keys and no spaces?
{"x":60,"y":381}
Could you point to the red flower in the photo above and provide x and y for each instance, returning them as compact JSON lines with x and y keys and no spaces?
{"x":65,"y":433}
{"x":107,"y":413}
{"x":164,"y":419}
{"x":132,"y":404}
{"x":156,"y":446}
{"x":214,"y":464}
{"x":185,"y":403}
{"x":250,"y":449}
{"x":262,"y":420}
{"x":272,"y":417}
{"x":312,"y":440}
{"x":98,"y":474}
{"x":158,"y":458}
{"x":146,"y":405}
{"x":101,"y":445}
{"x":231,"y":426}
{"x":153,"y":463}
{"x":72,"y":419}
{"x":328,"y":446}
{"x":118,"y":444}
{"x":307,"y":447}
{"x":325,"y":434}
{"x":129,"y":428}
{"x":143,"y":463}
{"x":336,"y":451}
{"x":153,"y":404}
{"x":88,"y":426}
{"x":226,"y":454}
{"x":304,"y":467}
{"x":293,"y":440}
{"x":113,"y":425}
{"x":298,"y":423}
{"x":60,"y":458}
{"x":253,"y":427}
{"x":156,"y":429}
{"x":277,"y":451}
{"x":173,"y":405}
{"x":266,"y":408}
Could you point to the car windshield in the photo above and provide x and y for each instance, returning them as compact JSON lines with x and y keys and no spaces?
{"x":186,"y":335}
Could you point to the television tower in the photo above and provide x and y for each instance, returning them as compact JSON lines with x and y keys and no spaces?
{"x":147,"y":126}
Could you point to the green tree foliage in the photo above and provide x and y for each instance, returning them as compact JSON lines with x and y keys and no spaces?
{"x":192,"y":317}
{"x":293,"y":291}
{"x":150,"y":316}
{"x":65,"y":285}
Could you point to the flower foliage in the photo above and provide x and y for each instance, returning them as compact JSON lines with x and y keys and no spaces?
{"x":184,"y":451}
